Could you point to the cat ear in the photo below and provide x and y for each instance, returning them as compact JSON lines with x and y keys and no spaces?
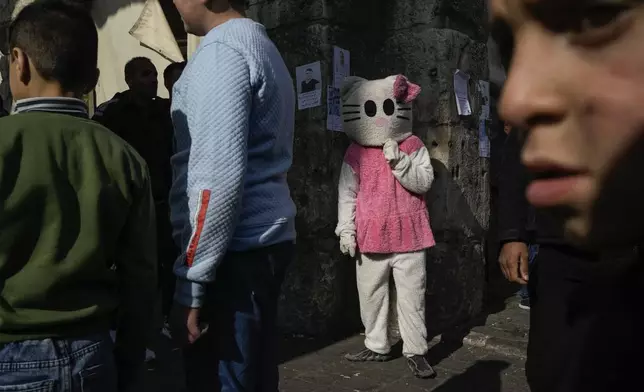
{"x":350,"y":85}
{"x":404,"y":90}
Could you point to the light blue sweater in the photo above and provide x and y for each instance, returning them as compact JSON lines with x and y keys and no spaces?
{"x":233,"y":111}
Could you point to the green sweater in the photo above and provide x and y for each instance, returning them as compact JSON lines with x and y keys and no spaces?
{"x":77,"y":242}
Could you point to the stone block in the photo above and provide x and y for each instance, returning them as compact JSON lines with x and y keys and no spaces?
{"x":429,"y":57}
{"x":406,"y":14}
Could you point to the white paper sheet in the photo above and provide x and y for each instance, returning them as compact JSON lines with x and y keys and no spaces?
{"x":341,"y":65}
{"x":484,"y":141}
{"x":461,"y":92}
{"x":333,"y":104}
{"x":484,"y":89}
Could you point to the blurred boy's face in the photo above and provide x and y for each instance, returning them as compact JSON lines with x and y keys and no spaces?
{"x":576,"y":85}
{"x":192,"y":13}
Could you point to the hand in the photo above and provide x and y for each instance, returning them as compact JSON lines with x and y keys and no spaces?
{"x":348,"y":244}
{"x":391,"y":151}
{"x":514,"y":261}
{"x":185,"y":324}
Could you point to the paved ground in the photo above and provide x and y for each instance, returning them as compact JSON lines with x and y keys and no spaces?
{"x":464,"y":370}
{"x":460,"y":369}
{"x":485,"y":356}
{"x":503,"y":327}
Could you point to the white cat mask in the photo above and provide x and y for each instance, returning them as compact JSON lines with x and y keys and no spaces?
{"x":374,"y":111}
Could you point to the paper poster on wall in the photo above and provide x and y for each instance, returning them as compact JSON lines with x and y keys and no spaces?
{"x":341,"y":65}
{"x":484,"y":89}
{"x":461,"y":91}
{"x":309,"y":85}
{"x":484,"y":141}
{"x":334,"y":116}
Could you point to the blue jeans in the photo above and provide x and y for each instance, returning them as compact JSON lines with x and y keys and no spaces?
{"x":239,"y":351}
{"x":533,"y":250}
{"x":58,"y":365}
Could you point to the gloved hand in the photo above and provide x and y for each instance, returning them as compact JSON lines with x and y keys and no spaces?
{"x":348,"y":244}
{"x":392,"y":152}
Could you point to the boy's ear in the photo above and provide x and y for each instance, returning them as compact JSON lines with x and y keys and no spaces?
{"x":20,"y":61}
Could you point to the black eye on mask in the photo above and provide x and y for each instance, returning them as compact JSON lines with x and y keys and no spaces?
{"x":370,"y":108}
{"x":389,"y":107}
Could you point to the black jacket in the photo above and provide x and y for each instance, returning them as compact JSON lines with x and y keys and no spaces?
{"x":518,"y":221}
{"x":146,"y":128}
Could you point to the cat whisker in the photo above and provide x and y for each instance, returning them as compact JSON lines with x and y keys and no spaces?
{"x":404,"y":118}
{"x":404,"y":108}
{"x":351,"y":106}
{"x":351,"y":112}
{"x":352,"y":119}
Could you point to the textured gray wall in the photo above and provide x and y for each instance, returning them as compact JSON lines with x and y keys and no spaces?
{"x":425,"y":40}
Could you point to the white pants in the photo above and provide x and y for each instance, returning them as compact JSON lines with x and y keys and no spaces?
{"x":373,"y":271}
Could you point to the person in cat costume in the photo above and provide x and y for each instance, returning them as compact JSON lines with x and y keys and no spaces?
{"x":382,"y":216}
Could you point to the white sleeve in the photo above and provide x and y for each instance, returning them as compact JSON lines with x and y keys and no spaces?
{"x":347,"y":195}
{"x":415,"y":172}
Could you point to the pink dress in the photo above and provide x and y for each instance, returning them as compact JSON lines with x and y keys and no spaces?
{"x":389,"y":218}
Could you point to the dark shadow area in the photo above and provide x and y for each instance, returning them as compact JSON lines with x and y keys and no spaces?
{"x":483,"y":376}
{"x":497,"y":290}
{"x":319,"y":305}
{"x":291,"y":347}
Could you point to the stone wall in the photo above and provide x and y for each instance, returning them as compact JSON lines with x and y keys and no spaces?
{"x":425,"y":40}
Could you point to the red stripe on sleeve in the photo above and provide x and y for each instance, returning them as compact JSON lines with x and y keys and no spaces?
{"x":201,"y":219}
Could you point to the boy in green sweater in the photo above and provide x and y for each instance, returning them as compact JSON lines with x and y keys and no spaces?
{"x":77,"y":232}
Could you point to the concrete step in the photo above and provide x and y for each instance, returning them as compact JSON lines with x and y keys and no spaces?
{"x":505,"y":332}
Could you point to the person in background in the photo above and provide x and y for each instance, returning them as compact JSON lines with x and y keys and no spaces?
{"x":75,"y":201}
{"x":581,"y":118}
{"x":234,"y":115}
{"x":142,"y":119}
{"x":518,"y":230}
{"x":171,"y":75}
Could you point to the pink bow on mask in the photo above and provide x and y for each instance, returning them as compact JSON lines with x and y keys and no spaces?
{"x":404,"y":90}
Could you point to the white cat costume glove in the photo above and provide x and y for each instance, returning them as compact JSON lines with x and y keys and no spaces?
{"x":348,"y":244}
{"x":414,"y":172}
{"x":392,"y":152}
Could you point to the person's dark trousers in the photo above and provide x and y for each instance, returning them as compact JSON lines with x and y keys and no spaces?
{"x":239,"y":350}
{"x":586,"y":321}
